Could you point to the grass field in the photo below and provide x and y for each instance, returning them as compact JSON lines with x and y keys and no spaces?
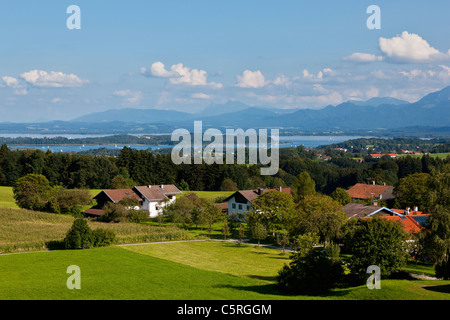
{"x":25,"y":230}
{"x":442,"y":155}
{"x":6,"y":197}
{"x":208,"y":270}
{"x":211,"y":195}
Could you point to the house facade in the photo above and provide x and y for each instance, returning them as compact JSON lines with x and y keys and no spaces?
{"x":240,"y":202}
{"x":151,"y":198}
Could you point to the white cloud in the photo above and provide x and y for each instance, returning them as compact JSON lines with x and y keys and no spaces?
{"x":180,"y":74}
{"x":132,"y":97}
{"x":251,"y":79}
{"x":14,"y":83}
{"x":200,"y":96}
{"x":282,"y":81}
{"x":362,"y":57}
{"x":11,"y":82}
{"x":158,"y":70}
{"x":410,"y":47}
{"x":307,"y":75}
{"x":52,"y":79}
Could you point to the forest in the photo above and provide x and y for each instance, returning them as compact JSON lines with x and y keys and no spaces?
{"x":141,"y":167}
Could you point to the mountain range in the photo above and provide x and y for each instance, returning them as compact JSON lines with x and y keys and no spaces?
{"x":433,"y":110}
{"x":382,"y":115}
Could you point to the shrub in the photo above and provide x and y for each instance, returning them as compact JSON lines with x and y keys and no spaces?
{"x":311,"y":273}
{"x":114,"y":212}
{"x":79,"y":236}
{"x":137,"y":216}
{"x":102,"y":237}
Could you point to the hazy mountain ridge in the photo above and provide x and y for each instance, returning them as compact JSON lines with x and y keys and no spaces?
{"x":432,"y":111}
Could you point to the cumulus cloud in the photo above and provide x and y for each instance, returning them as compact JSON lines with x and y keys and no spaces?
{"x":251,"y":79}
{"x":362,"y":57}
{"x":282,"y":81}
{"x":131,"y":97}
{"x":307,"y":75}
{"x":179,"y":74}
{"x":410,"y":47}
{"x":14,"y":83}
{"x":52,"y":79}
{"x":11,"y":82}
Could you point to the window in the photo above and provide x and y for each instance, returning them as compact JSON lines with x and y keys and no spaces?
{"x":240,"y":207}
{"x":233,"y":205}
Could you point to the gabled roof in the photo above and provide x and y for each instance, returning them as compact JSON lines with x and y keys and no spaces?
{"x":151,"y":194}
{"x":359,"y":210}
{"x":170,"y":189}
{"x":251,"y":195}
{"x":157,"y":192}
{"x":367,"y":191}
{"x":94,"y":212}
{"x":118,"y":194}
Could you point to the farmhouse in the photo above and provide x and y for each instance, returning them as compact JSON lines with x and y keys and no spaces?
{"x":240,"y":202}
{"x":151,"y":198}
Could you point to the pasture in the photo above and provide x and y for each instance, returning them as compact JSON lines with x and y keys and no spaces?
{"x":205,"y":270}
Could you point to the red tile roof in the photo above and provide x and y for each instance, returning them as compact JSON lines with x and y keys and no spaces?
{"x":408,"y":223}
{"x":151,"y":193}
{"x":367,"y":191}
{"x":118,"y":194}
{"x":94,"y":212}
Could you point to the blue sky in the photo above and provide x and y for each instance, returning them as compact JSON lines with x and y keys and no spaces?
{"x":186,"y":55}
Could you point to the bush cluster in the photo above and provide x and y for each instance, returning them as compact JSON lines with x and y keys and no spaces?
{"x":81,"y":236}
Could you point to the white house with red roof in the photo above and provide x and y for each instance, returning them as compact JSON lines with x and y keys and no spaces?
{"x":151,"y":198}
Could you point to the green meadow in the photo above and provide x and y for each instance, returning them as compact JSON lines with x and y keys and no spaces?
{"x":211,"y":195}
{"x":160,"y":269}
{"x":206,"y":270}
{"x":7,"y":198}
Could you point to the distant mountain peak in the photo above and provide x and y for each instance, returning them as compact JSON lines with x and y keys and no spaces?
{"x":378,"y":101}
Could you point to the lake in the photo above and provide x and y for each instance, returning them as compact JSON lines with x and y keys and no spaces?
{"x":285,"y":142}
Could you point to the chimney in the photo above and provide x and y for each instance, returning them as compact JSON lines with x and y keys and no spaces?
{"x":149,"y":186}
{"x":384,"y":183}
{"x":416,"y":208}
{"x":260,"y":190}
{"x":280,"y":189}
{"x":373,"y":181}
{"x":407,"y":210}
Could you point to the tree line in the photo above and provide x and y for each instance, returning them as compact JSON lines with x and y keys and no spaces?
{"x":141,"y":167}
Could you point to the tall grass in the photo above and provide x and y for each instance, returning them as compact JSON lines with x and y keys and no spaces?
{"x":25,"y":230}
